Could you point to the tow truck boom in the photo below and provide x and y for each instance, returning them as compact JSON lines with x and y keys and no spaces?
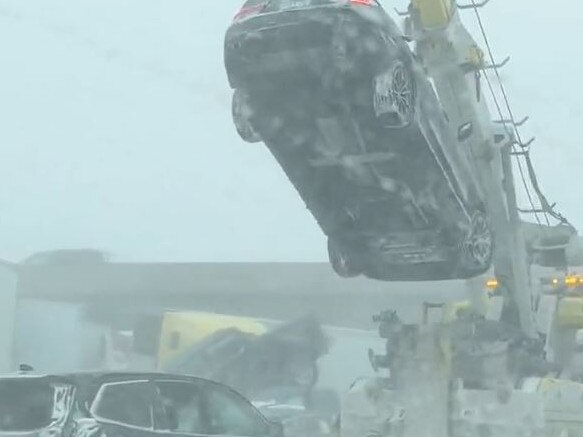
{"x":458,"y":68}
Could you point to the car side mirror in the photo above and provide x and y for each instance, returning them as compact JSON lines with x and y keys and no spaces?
{"x":465,"y":131}
{"x":276,"y":429}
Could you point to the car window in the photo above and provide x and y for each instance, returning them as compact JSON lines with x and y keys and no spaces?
{"x":230,"y":414}
{"x":25,"y":405}
{"x":181,"y":408}
{"x":128,"y":403}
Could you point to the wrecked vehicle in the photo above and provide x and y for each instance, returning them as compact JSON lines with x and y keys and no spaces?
{"x":277,"y":370}
{"x":178,"y":331}
{"x":346,"y":108}
{"x":285,"y":357}
{"x":85,"y":405}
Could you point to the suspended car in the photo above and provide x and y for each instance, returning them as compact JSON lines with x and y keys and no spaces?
{"x":343,"y":104}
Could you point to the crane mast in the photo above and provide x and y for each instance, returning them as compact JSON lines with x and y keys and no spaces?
{"x":455,"y":62}
{"x":471,"y":372}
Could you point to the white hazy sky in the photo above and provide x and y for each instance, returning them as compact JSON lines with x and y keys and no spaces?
{"x":115,"y":129}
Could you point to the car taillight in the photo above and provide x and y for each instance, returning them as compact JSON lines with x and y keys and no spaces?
{"x":248,"y":11}
{"x":363,"y":2}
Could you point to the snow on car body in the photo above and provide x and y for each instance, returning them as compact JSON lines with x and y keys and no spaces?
{"x":334,"y":91}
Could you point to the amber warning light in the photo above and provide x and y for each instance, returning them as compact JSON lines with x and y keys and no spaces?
{"x":492,"y":285}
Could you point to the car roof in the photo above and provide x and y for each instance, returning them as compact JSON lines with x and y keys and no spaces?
{"x":88,"y":384}
{"x":104,"y":377}
{"x":91,"y":378}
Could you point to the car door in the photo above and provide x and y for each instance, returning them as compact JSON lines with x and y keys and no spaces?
{"x":230,"y":414}
{"x":125,"y":409}
{"x":179,"y":408}
{"x":202,"y":408}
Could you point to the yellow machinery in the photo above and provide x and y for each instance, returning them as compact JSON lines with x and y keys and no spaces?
{"x":180,"y":330}
{"x":479,"y":390}
{"x":434,"y":13}
{"x":453,"y":310}
{"x":570,"y":311}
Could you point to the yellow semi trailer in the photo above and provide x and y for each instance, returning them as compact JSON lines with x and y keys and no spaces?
{"x":180,"y":330}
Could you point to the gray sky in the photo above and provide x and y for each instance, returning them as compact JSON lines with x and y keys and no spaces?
{"x":115,"y":129}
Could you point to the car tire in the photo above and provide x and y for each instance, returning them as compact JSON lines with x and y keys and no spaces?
{"x":394,"y":96}
{"x":477,"y":249}
{"x":343,"y":260}
{"x":242,"y":112}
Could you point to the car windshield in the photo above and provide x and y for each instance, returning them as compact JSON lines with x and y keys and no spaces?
{"x":25,"y":405}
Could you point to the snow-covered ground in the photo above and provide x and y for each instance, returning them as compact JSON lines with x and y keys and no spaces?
{"x":115,"y":129}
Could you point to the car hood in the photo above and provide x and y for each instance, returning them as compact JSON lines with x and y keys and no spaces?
{"x":297,"y":420}
{"x":280,"y":412}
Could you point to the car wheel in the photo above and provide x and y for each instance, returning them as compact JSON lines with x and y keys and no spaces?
{"x":343,"y":260}
{"x":394,"y":96}
{"x":478,"y":246}
{"x":242,"y":112}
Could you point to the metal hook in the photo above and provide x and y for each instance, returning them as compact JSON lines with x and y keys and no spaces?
{"x":473,"y":5}
{"x":508,"y":121}
{"x":497,"y":66}
{"x":531,"y":211}
{"x":527,"y":144}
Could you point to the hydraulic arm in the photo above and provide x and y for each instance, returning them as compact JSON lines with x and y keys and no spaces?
{"x":455,"y":63}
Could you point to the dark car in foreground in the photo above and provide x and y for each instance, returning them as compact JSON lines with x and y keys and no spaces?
{"x":343,"y":104}
{"x":126,"y":405}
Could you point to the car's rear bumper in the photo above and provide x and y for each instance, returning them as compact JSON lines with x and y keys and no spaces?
{"x":412,"y":254}
{"x":408,"y":248}
{"x":434,"y":261}
{"x":283,"y":44}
